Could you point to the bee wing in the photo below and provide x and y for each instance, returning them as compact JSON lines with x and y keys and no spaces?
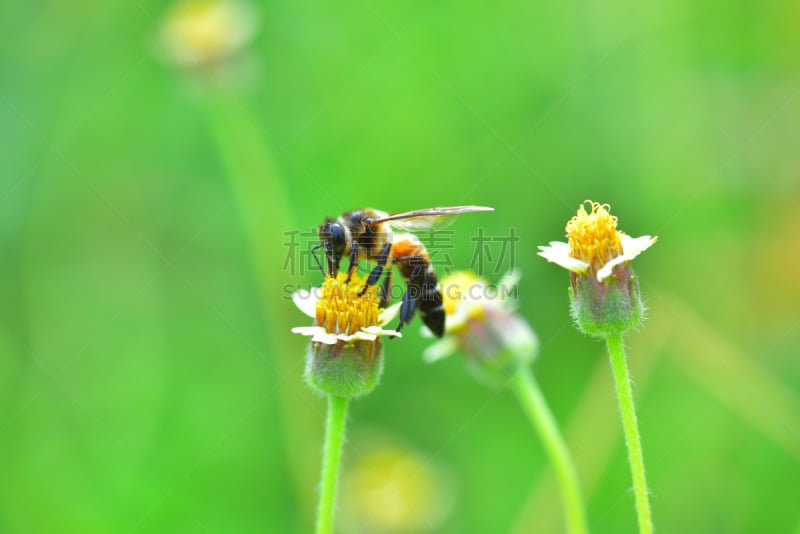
{"x":428,"y":219}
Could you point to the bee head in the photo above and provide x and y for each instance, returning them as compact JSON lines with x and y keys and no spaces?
{"x":334,"y":241}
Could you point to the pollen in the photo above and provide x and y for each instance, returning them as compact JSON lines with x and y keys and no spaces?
{"x":593,"y":236}
{"x":343,"y":309}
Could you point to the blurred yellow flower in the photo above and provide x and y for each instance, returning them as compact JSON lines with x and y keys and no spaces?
{"x":481,"y":323}
{"x":389,"y":489}
{"x":202,"y":32}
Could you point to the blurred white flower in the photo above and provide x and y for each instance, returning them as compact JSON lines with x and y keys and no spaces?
{"x":482,"y":324}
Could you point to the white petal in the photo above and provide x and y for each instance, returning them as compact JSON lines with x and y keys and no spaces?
{"x":318,"y":334}
{"x":558,"y":253}
{"x":324,"y":337}
{"x":363,"y":336}
{"x":378,"y":331}
{"x":306,"y":301}
{"x":510,"y":281}
{"x":308,"y":330}
{"x":605,"y":270}
{"x":460,"y":317}
{"x":505,"y":289}
{"x":426,"y":332}
{"x":633,"y":246}
{"x":372,"y":329}
{"x":559,"y":246}
{"x":456,"y":321}
{"x":389,"y":313}
{"x":441,"y":349}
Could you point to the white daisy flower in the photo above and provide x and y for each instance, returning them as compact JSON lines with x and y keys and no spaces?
{"x":342,"y":313}
{"x":595,"y":244}
{"x":605,"y":295}
{"x":345,"y":357}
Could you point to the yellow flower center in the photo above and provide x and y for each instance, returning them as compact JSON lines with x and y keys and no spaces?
{"x":593,"y":236}
{"x":342,"y":309}
{"x":461,"y":286}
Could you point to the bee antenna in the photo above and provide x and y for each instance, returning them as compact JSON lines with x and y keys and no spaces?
{"x":314,"y":253}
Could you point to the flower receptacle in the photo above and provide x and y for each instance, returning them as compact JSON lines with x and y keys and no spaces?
{"x":344,"y":369}
{"x":613,"y":306}
{"x":497,"y":345}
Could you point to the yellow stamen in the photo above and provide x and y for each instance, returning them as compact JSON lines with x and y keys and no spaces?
{"x":593,"y":236}
{"x":342,"y":309}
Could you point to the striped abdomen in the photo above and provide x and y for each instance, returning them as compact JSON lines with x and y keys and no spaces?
{"x":413,"y":262}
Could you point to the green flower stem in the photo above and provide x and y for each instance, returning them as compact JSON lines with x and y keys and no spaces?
{"x":616,"y":350}
{"x":263,"y":203}
{"x":536,"y":407}
{"x":331,"y":460}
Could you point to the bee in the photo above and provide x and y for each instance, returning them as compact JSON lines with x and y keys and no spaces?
{"x":367,"y":234}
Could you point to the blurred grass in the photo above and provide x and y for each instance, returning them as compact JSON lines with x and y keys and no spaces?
{"x":138,"y":389}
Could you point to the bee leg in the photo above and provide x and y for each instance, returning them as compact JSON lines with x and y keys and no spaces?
{"x":407,"y":308}
{"x":383,"y":257}
{"x":422,"y":283}
{"x":314,"y":253}
{"x":386,"y":290}
{"x":353,"y":261}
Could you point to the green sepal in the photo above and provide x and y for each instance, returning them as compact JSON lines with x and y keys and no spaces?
{"x":613,"y":306}
{"x":344,"y":369}
{"x":498,"y":345}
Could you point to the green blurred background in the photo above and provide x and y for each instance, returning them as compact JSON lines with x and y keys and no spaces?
{"x":148,"y":379}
